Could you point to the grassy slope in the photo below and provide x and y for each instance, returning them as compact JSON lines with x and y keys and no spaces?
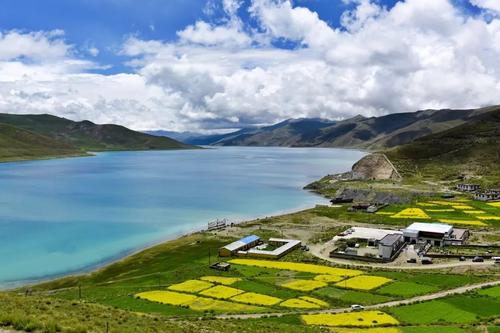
{"x":472,"y":148}
{"x":19,"y":144}
{"x":89,"y":136}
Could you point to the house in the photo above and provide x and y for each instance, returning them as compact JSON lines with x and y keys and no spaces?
{"x":281,"y":247}
{"x":243,"y":244}
{"x":390,"y":245}
{"x":489,"y":195}
{"x":436,"y":234}
{"x":468,"y":187}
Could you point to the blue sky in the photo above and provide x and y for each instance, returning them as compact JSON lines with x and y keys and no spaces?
{"x":217,"y":65}
{"x":105,"y":24}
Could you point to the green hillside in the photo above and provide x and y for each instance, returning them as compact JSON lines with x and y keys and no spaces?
{"x":19,"y":144}
{"x":471,"y":149}
{"x":89,"y":136}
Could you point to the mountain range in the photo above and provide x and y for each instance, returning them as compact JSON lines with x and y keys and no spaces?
{"x":371,"y":133}
{"x":45,"y":136}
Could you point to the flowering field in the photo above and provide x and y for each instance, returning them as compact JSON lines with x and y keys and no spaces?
{"x":363,"y":282}
{"x":220,"y":279}
{"x":257,"y":299}
{"x":304,"y":285}
{"x":221,"y":292}
{"x":467,"y":222}
{"x":328,"y":278}
{"x":299,"y":303}
{"x":166,"y":297}
{"x":368,"y":330}
{"x":191,"y":286}
{"x":463,"y":207}
{"x":299,"y":267}
{"x":314,"y":300}
{"x":495,"y":204}
{"x":411,"y":213}
{"x":488,"y":217}
{"x":363,"y":318}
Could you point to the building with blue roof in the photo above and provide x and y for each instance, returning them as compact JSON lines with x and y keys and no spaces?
{"x":243,"y":244}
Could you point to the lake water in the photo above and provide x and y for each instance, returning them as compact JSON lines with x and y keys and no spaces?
{"x":66,"y":215}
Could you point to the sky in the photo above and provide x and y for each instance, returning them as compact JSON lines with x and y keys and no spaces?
{"x":216,"y":65}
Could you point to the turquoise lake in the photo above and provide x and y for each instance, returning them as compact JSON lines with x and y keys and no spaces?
{"x":68,"y":215}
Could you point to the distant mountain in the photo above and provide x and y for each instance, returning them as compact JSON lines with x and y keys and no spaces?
{"x":19,"y":144}
{"x":89,"y":136}
{"x":359,"y":132}
{"x":470,"y":149}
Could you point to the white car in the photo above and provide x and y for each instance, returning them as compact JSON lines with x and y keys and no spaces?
{"x":357,"y":307}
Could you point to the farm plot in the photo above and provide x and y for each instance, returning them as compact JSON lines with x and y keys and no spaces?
{"x":363,"y":282}
{"x":191,"y":286}
{"x":299,"y":303}
{"x":411,"y":213}
{"x":351,"y":319}
{"x":220,"y":279}
{"x":256,"y":299}
{"x":221,"y":292}
{"x":406,"y":289}
{"x":299,"y":267}
{"x":304,"y":285}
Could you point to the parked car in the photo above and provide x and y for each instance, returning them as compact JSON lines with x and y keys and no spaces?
{"x":357,"y":307}
{"x":411,"y":261}
{"x":462,"y":258}
{"x":478,"y":259}
{"x":426,"y":261}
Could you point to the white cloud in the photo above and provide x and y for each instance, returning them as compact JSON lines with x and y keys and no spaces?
{"x":493,"y":5}
{"x":419,"y":54}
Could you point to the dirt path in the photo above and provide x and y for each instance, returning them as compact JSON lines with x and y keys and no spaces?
{"x":320,"y":251}
{"x":428,"y":297}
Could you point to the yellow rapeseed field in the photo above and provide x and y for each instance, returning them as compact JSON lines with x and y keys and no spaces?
{"x":299,"y":303}
{"x":204,"y":304}
{"x":488,"y":217}
{"x":363,"y":282}
{"x":411,"y":213}
{"x":191,"y":286}
{"x":220,"y":279}
{"x":444,"y":203}
{"x":328,"y":278}
{"x":304,"y":285}
{"x":427,"y":204}
{"x":495,"y":204}
{"x":221,"y":292}
{"x":462,"y":207}
{"x":315,"y":301}
{"x":167,"y":297}
{"x":257,"y":299}
{"x":440,"y":210}
{"x":367,"y":330}
{"x":468,"y":222}
{"x":299,"y":267}
{"x":363,"y":318}
{"x":474,"y":212}
{"x":384,"y":213}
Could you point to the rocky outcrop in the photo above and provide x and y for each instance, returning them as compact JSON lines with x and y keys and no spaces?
{"x":374,"y":167}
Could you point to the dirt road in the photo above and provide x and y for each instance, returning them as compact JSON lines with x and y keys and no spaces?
{"x":428,"y":297}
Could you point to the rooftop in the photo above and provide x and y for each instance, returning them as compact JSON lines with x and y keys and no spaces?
{"x":439,"y":228}
{"x":242,"y":242}
{"x":389,"y":240}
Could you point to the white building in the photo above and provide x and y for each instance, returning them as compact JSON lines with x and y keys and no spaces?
{"x":437,"y":234}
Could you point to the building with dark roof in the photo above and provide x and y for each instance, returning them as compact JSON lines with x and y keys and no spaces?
{"x":390,"y":245}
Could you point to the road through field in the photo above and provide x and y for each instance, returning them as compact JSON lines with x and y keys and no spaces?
{"x":428,"y":297}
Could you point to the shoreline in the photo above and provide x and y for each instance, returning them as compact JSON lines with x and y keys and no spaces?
{"x":89,"y":269}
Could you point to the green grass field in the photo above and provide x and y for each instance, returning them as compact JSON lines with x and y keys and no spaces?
{"x":456,"y":309}
{"x":406,"y":289}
